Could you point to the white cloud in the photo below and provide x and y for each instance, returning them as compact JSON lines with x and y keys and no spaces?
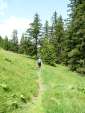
{"x":7,"y":26}
{"x":3,"y":7}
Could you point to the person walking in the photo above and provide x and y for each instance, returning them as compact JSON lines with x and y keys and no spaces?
{"x":39,"y":62}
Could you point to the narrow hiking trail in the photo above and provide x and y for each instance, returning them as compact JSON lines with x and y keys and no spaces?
{"x":36,"y":106}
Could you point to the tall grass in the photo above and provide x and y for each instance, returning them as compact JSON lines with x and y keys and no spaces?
{"x":65,"y":91}
{"x":17,"y":82}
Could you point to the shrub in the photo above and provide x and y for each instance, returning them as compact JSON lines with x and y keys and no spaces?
{"x":48,"y":53}
{"x":81,"y":70}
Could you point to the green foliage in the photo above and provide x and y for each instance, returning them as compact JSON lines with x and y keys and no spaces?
{"x":74,"y":53}
{"x":34,"y":32}
{"x":35,"y":27}
{"x":46,"y":30}
{"x":58,"y":37}
{"x":76,"y":36}
{"x":48,"y":53}
{"x":81,"y":70}
{"x":1,"y":42}
{"x":6,"y":44}
{"x":26,"y":46}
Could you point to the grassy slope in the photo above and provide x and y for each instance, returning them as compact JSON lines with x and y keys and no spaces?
{"x":17,"y":81}
{"x":63,"y":90}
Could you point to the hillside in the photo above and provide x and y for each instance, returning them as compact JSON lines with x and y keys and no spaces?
{"x":65,"y":91}
{"x":17,"y":81}
{"x":26,"y":89}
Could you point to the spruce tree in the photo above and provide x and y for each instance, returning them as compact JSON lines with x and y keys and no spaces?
{"x":1,"y":42}
{"x":34,"y":32}
{"x":76,"y":36}
{"x":6,"y":44}
{"x":57,"y":38}
{"x":22,"y":46}
{"x":46,"y":30}
{"x":25,"y":45}
{"x":14,"y":41}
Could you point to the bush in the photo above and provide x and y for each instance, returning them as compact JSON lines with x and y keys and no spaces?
{"x":81,"y":70}
{"x":74,"y":59}
{"x":75,"y":52}
{"x":48,"y":53}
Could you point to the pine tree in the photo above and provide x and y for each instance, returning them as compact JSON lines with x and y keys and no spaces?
{"x":46,"y":30}
{"x":59,"y":33}
{"x":26,"y":45}
{"x":6,"y":44}
{"x":14,"y":41}
{"x":54,"y":22}
{"x":34,"y":31}
{"x":1,"y":42}
{"x":76,"y":36}
{"x":58,"y":37}
{"x":22,"y":46}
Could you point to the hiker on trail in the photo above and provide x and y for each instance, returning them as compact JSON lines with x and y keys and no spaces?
{"x":39,"y":62}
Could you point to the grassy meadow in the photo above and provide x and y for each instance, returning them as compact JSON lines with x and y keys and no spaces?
{"x":17,"y":82}
{"x":23,"y":89}
{"x":65,"y":90}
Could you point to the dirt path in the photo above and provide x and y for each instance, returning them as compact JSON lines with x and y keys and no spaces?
{"x":36,"y":106}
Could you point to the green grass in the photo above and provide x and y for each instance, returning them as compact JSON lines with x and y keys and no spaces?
{"x":65,"y":90}
{"x":17,"y":82}
{"x":21,"y":87}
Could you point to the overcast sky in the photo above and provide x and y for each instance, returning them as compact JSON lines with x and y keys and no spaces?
{"x":17,"y":14}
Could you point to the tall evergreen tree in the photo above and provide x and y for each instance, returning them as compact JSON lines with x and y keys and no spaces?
{"x":26,"y":45}
{"x":6,"y":44}
{"x":76,"y":36}
{"x":14,"y":41}
{"x":58,"y":37}
{"x":46,"y":29}
{"x":22,"y":46}
{"x":54,"y":22}
{"x":34,"y":31}
{"x":1,"y":42}
{"x":59,"y":34}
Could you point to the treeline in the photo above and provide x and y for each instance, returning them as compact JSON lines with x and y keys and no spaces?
{"x":75,"y":37}
{"x":54,"y":43}
{"x":11,"y":44}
